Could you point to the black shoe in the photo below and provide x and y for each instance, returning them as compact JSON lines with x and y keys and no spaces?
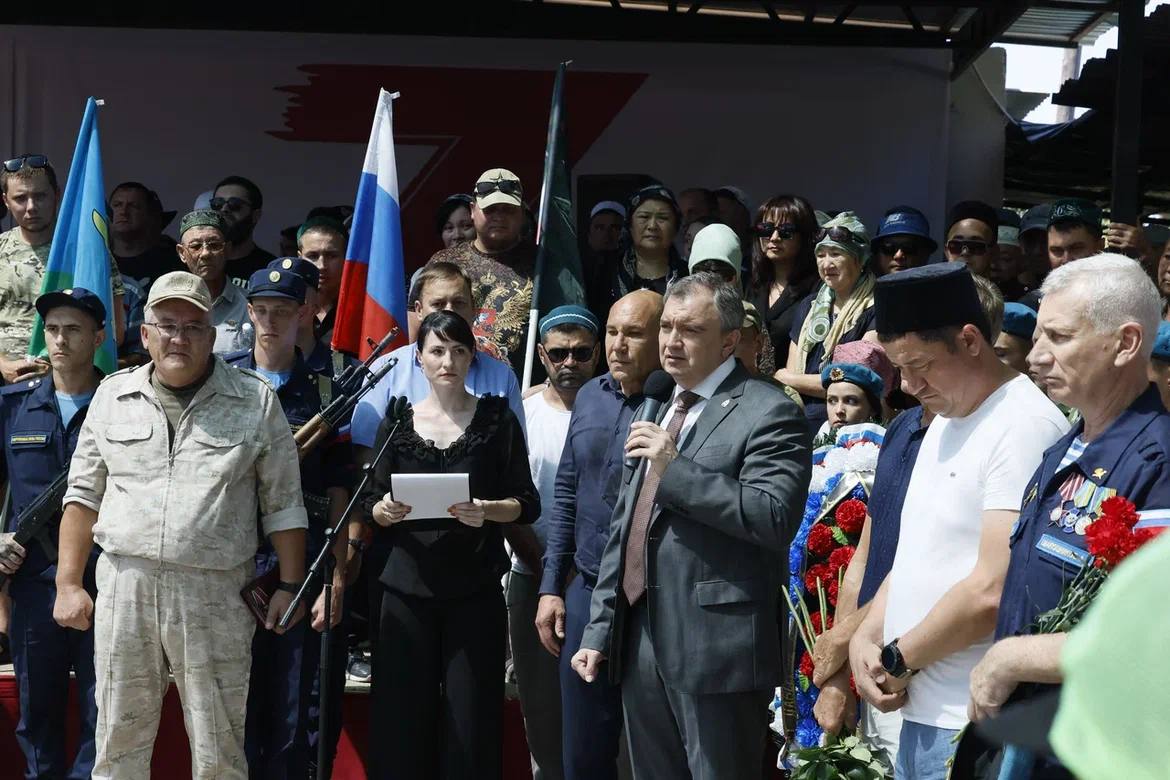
{"x":358,"y":670}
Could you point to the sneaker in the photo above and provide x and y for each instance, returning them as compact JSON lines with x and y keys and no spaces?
{"x":358,"y":670}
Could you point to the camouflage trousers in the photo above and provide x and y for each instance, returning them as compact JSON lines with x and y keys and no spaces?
{"x":150,"y":617}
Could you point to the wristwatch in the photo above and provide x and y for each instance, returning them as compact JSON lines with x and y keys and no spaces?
{"x":288,"y":587}
{"x":894,"y":663}
{"x":358,"y":545}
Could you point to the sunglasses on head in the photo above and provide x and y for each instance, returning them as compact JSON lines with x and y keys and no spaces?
{"x":841,"y":235}
{"x":230,"y":204}
{"x":506,"y":186}
{"x":958,"y":247}
{"x":561,"y":354}
{"x":29,"y":160}
{"x":786,"y":230}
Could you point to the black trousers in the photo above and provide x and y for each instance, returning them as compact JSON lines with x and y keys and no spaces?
{"x":438,"y":689}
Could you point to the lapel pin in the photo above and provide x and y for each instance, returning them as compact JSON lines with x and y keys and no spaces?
{"x":1099,"y":473}
{"x":726,"y":401}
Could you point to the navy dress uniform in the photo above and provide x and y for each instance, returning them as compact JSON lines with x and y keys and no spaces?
{"x":1130,"y":459}
{"x":281,"y":726}
{"x":37,"y":446}
{"x":322,"y":360}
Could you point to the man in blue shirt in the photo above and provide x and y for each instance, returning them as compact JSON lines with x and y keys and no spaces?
{"x":281,"y":727}
{"x":587,"y":484}
{"x":1094,"y":335}
{"x":441,"y":286}
{"x":39,"y":422}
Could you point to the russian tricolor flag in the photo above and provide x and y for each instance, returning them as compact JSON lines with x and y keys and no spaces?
{"x":372,"y":299}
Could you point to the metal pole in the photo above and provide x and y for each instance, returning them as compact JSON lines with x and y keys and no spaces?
{"x":1127,"y":113}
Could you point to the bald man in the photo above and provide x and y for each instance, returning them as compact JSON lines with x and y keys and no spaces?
{"x":586,"y":493}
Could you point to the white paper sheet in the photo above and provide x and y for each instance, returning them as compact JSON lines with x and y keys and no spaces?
{"x":429,"y":495}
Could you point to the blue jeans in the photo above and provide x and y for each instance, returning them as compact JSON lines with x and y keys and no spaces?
{"x":923,"y":752}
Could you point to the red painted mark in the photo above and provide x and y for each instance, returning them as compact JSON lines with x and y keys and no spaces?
{"x":478,"y":118}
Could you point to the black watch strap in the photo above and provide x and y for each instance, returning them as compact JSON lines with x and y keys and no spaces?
{"x":358,"y":544}
{"x":894,"y":663}
{"x":288,"y":587}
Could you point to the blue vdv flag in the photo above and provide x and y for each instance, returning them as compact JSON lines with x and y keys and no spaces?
{"x":80,"y":253}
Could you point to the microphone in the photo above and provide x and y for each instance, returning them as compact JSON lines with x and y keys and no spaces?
{"x":657,"y":389}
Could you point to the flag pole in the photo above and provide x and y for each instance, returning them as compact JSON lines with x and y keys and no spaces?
{"x":546,"y":185}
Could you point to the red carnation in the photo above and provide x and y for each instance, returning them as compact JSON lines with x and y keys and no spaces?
{"x":1143,"y":535}
{"x":853,"y":687}
{"x":820,"y":540}
{"x":1120,"y":509}
{"x":831,"y":593}
{"x":851,"y":516}
{"x":841,"y":557}
{"x":1109,"y":540}
{"x":806,"y":665}
{"x":820,"y":572}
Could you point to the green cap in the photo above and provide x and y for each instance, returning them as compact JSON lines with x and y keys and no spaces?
{"x":200,"y":218}
{"x":1076,"y":210}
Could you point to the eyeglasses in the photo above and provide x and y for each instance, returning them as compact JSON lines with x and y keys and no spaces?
{"x":30,"y":160}
{"x":230,"y":204}
{"x":786,"y":230}
{"x":561,"y":354}
{"x":170,"y":330}
{"x":960,"y":247}
{"x":907,"y":248}
{"x":841,"y":235}
{"x":210,"y":246}
{"x":506,"y":186}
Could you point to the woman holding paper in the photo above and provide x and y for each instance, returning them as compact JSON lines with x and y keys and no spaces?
{"x":438,"y":689}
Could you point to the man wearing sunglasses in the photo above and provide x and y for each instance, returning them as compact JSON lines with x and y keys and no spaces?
{"x":240,"y":203}
{"x":973,"y":236}
{"x":568,"y":351}
{"x":29,"y":188}
{"x":902,"y":241}
{"x":500,"y":264}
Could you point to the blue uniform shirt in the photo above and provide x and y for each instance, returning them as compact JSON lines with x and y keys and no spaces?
{"x":37,"y":447}
{"x":891,"y":479}
{"x":587,"y":484}
{"x":1130,"y":459}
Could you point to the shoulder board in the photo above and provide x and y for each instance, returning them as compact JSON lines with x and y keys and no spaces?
{"x":231,"y":358}
{"x":22,"y":386}
{"x":121,"y":372}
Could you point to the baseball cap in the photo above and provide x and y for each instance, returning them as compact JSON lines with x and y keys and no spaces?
{"x":276,"y":283}
{"x":308,"y":272}
{"x":608,"y":205}
{"x":904,"y":221}
{"x":75,"y":298}
{"x":1035,"y":218}
{"x":182,"y":286}
{"x":496,"y":186}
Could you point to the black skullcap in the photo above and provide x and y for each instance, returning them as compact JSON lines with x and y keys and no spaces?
{"x":940,"y":295}
{"x":973,"y":209}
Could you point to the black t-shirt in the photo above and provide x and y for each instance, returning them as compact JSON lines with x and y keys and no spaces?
{"x":151,"y":264}
{"x":240,"y":271}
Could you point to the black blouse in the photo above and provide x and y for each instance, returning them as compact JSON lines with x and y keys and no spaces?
{"x":778,"y":317}
{"x":442,"y":557}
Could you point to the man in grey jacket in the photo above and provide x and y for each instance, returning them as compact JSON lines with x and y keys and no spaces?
{"x":685,"y":604}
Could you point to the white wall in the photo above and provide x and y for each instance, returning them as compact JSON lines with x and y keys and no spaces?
{"x":849,"y":128}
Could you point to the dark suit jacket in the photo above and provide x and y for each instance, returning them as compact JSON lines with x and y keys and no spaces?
{"x":717,"y":553}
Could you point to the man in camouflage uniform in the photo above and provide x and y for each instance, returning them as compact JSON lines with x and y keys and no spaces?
{"x":173,"y":464}
{"x":29,"y":187}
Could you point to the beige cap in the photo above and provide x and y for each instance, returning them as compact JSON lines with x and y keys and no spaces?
{"x":181,"y":285}
{"x":499,"y":185}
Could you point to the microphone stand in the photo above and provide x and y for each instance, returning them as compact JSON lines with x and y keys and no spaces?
{"x":326,"y":560}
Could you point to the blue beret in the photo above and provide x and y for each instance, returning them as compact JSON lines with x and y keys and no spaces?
{"x":1162,"y":342}
{"x":75,"y":298}
{"x":1019,"y":320}
{"x":301,"y":267}
{"x":276,"y":283}
{"x":862,"y":376}
{"x":578,"y":316}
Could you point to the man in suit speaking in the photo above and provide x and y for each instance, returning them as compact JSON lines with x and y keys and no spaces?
{"x":685,"y":603}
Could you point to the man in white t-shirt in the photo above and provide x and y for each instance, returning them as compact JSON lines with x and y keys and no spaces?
{"x":933,"y":617}
{"x":568,"y":350}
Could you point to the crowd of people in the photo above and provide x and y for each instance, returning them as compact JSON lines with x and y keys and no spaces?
{"x":788,"y":476}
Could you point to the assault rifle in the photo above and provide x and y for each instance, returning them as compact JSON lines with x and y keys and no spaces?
{"x":352,"y":383}
{"x":35,"y":518}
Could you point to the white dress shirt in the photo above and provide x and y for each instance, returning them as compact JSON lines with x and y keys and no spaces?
{"x":704,"y":390}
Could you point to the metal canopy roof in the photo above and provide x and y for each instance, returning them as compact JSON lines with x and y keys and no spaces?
{"x":967,"y":27}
